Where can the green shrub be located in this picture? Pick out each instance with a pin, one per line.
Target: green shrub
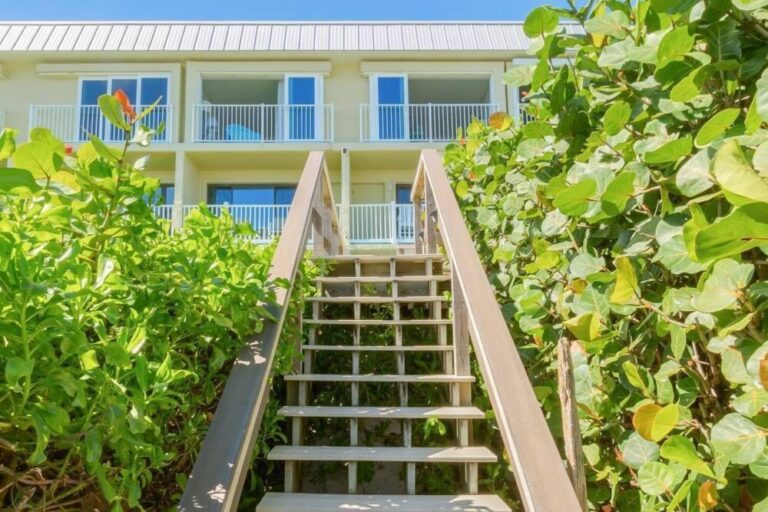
(115, 336)
(631, 216)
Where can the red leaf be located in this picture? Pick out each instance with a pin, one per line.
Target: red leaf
(125, 103)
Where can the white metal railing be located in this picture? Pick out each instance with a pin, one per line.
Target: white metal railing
(74, 123)
(426, 122)
(388, 223)
(262, 123)
(265, 220)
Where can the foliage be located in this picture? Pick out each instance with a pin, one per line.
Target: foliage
(115, 336)
(631, 216)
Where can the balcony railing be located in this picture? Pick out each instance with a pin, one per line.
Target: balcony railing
(388, 223)
(74, 123)
(429, 122)
(262, 123)
(381, 224)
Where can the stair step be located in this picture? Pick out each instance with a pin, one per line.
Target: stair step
(380, 258)
(284, 502)
(333, 377)
(371, 321)
(448, 413)
(382, 279)
(379, 348)
(467, 454)
(371, 299)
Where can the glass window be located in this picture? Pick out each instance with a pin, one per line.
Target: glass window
(391, 90)
(301, 90)
(250, 194)
(164, 194)
(130, 86)
(90, 90)
(90, 120)
(403, 194)
(301, 110)
(153, 89)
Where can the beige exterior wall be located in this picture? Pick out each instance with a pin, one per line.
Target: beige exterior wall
(375, 167)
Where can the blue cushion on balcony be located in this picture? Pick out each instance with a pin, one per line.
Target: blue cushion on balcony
(236, 131)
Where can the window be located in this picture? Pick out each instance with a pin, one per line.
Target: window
(389, 117)
(302, 93)
(404, 211)
(142, 91)
(251, 194)
(403, 194)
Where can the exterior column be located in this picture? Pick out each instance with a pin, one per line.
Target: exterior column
(185, 182)
(346, 194)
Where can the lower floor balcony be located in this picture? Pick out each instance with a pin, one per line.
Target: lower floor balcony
(365, 224)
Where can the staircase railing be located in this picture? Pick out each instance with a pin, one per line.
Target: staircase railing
(539, 470)
(219, 472)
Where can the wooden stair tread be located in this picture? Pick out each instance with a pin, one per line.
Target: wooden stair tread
(382, 412)
(289, 502)
(364, 258)
(372, 299)
(334, 377)
(366, 321)
(468, 454)
(382, 279)
(379, 348)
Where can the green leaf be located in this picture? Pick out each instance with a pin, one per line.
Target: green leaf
(675, 45)
(7, 143)
(761, 96)
(519, 76)
(626, 290)
(541, 20)
(733, 367)
(740, 183)
(751, 402)
(617, 193)
(616, 117)
(462, 189)
(37, 158)
(15, 181)
(678, 340)
(614, 24)
(113, 112)
(738, 438)
(722, 287)
(743, 229)
(584, 265)
(753, 121)
(574, 201)
(664, 421)
(694, 177)
(671, 151)
(636, 451)
(16, 369)
(686, 89)
(656, 478)
(681, 449)
(45, 137)
(749, 5)
(585, 327)
(716, 126)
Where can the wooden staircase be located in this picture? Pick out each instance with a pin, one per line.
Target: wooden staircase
(389, 311)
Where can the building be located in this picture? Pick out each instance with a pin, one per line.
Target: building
(243, 103)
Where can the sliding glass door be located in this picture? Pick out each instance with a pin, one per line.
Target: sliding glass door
(303, 116)
(390, 111)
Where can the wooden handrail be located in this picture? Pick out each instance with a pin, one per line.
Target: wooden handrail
(219, 472)
(539, 470)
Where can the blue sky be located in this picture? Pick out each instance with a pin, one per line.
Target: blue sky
(107, 10)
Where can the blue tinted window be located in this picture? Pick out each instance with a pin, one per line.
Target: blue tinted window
(301, 91)
(90, 90)
(128, 85)
(391, 90)
(152, 89)
(403, 194)
(250, 195)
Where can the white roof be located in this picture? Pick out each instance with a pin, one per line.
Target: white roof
(277, 36)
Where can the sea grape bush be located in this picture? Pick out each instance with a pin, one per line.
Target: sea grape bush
(630, 215)
(115, 336)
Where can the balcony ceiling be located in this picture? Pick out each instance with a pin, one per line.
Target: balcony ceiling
(277, 37)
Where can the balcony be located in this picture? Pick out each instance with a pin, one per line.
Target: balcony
(370, 224)
(430, 122)
(74, 123)
(262, 123)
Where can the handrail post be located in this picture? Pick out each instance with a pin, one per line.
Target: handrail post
(540, 474)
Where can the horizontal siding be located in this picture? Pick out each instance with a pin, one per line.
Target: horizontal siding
(300, 37)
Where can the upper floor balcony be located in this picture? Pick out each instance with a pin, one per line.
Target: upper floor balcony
(424, 108)
(75, 123)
